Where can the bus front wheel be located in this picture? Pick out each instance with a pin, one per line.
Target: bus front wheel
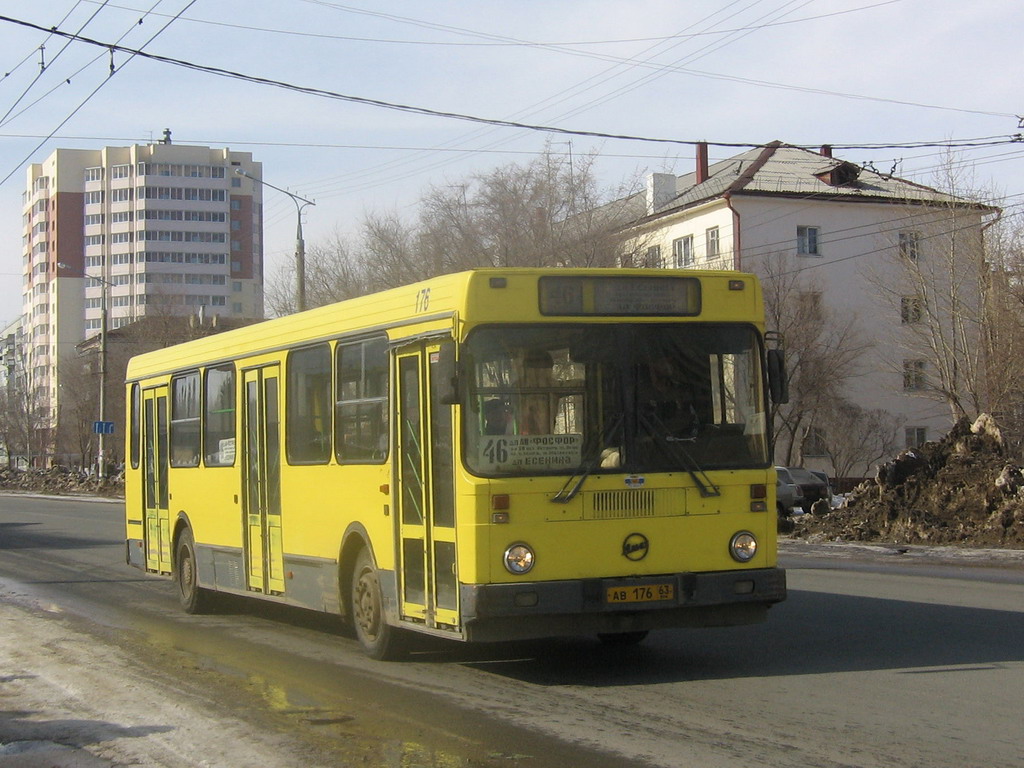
(379, 640)
(194, 599)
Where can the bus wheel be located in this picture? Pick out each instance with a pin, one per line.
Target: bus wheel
(194, 599)
(379, 640)
(622, 638)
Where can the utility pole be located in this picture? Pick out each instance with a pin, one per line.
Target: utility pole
(300, 245)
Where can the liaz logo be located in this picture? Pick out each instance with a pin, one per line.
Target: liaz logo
(635, 546)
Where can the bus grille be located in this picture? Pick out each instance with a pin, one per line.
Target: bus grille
(621, 505)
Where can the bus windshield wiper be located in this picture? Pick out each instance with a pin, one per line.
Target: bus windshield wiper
(705, 484)
(575, 482)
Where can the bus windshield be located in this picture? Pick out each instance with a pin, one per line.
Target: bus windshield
(627, 398)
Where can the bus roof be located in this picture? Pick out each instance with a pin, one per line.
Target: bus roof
(430, 305)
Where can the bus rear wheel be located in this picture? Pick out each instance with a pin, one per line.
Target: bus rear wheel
(379, 640)
(194, 599)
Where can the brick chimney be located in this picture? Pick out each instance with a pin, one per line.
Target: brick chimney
(702, 162)
(826, 150)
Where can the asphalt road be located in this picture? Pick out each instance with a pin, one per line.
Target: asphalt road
(878, 658)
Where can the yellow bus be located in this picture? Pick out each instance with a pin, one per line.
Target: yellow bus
(491, 455)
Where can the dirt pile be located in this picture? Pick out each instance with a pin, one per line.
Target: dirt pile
(961, 490)
(57, 480)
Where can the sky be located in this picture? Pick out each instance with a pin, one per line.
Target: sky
(862, 75)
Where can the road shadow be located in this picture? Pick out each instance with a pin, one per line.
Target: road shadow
(27, 738)
(811, 633)
(38, 536)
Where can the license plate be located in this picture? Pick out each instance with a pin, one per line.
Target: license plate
(640, 593)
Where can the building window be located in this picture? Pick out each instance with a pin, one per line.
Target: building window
(913, 375)
(711, 242)
(93, 198)
(915, 437)
(120, 171)
(910, 245)
(652, 257)
(94, 174)
(122, 195)
(236, 182)
(911, 309)
(814, 443)
(812, 304)
(682, 251)
(807, 241)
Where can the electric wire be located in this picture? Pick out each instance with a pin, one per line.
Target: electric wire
(113, 71)
(500, 41)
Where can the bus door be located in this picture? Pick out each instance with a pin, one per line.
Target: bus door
(261, 480)
(155, 462)
(428, 577)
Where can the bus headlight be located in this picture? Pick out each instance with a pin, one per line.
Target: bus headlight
(518, 559)
(743, 547)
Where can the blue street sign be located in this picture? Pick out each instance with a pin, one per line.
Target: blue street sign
(103, 427)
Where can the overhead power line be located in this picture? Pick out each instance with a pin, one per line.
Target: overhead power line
(113, 71)
(491, 41)
(429, 112)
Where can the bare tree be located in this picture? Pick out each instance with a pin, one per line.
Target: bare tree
(547, 212)
(823, 351)
(857, 438)
(1003, 308)
(938, 277)
(25, 424)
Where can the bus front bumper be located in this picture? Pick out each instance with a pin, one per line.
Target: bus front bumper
(588, 606)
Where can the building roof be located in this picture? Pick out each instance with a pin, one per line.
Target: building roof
(779, 169)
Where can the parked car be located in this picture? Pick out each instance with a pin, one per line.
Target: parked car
(828, 483)
(812, 487)
(787, 493)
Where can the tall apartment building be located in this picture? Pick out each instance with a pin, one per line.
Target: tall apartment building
(146, 230)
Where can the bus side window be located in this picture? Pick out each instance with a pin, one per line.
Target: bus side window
(219, 417)
(308, 414)
(185, 420)
(135, 425)
(361, 402)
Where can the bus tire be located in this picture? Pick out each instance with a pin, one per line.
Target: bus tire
(622, 638)
(379, 640)
(194, 599)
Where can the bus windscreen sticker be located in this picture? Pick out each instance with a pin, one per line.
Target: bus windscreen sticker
(516, 453)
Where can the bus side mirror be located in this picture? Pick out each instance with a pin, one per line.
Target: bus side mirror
(445, 373)
(778, 383)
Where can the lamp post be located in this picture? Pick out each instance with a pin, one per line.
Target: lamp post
(300, 245)
(101, 470)
(100, 453)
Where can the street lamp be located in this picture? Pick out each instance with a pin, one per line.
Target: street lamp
(300, 245)
(101, 470)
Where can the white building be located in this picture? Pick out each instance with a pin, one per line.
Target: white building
(869, 247)
(143, 230)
